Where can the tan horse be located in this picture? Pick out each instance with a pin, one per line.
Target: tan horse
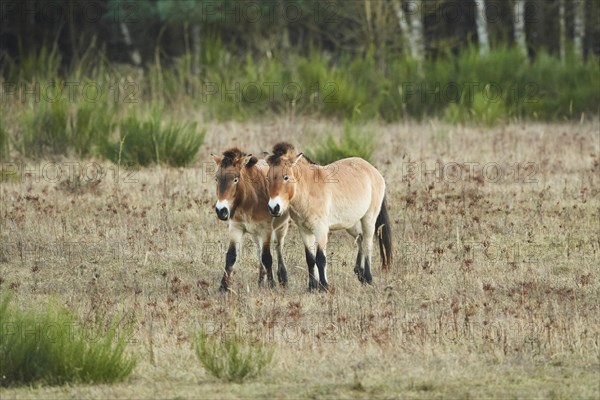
(242, 195)
(348, 194)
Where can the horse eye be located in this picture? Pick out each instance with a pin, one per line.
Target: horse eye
(286, 178)
(236, 179)
(216, 179)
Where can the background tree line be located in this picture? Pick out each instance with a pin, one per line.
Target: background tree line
(139, 31)
(96, 77)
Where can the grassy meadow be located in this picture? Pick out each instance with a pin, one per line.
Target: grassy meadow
(494, 290)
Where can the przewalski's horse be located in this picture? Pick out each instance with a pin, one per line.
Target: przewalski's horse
(348, 194)
(242, 196)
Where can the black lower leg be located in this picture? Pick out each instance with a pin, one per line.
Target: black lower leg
(281, 271)
(367, 273)
(310, 262)
(229, 262)
(358, 269)
(267, 261)
(321, 265)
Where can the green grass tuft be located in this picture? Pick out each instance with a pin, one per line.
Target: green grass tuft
(232, 359)
(355, 142)
(51, 348)
(92, 127)
(45, 129)
(148, 142)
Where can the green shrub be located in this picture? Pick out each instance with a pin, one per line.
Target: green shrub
(51, 348)
(355, 142)
(483, 109)
(147, 142)
(232, 359)
(45, 129)
(178, 144)
(92, 128)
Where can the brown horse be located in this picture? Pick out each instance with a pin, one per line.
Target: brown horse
(242, 195)
(348, 194)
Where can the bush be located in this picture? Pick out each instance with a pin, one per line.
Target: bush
(92, 129)
(147, 142)
(52, 348)
(355, 142)
(481, 110)
(232, 360)
(45, 129)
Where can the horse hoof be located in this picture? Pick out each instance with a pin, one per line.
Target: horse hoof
(360, 275)
(282, 277)
(223, 289)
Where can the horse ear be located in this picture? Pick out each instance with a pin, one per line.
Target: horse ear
(217, 159)
(249, 161)
(298, 157)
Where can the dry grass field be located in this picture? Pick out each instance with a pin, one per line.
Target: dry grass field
(494, 290)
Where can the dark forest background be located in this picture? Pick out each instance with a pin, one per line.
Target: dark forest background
(174, 27)
(87, 71)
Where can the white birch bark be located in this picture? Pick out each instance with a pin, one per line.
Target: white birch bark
(563, 29)
(404, 28)
(134, 53)
(519, 21)
(416, 28)
(579, 28)
(482, 28)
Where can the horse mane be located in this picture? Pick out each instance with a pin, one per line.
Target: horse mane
(284, 149)
(230, 156)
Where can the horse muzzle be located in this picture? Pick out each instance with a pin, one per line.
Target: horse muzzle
(222, 213)
(275, 211)
(222, 208)
(274, 207)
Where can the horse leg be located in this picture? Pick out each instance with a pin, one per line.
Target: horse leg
(355, 232)
(279, 238)
(321, 260)
(261, 268)
(267, 262)
(310, 261)
(235, 239)
(368, 226)
(358, 267)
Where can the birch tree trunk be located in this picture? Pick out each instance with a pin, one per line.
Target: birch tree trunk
(416, 28)
(404, 28)
(579, 28)
(367, 4)
(482, 28)
(134, 53)
(519, 20)
(563, 29)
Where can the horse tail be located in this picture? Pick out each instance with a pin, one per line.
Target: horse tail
(384, 236)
